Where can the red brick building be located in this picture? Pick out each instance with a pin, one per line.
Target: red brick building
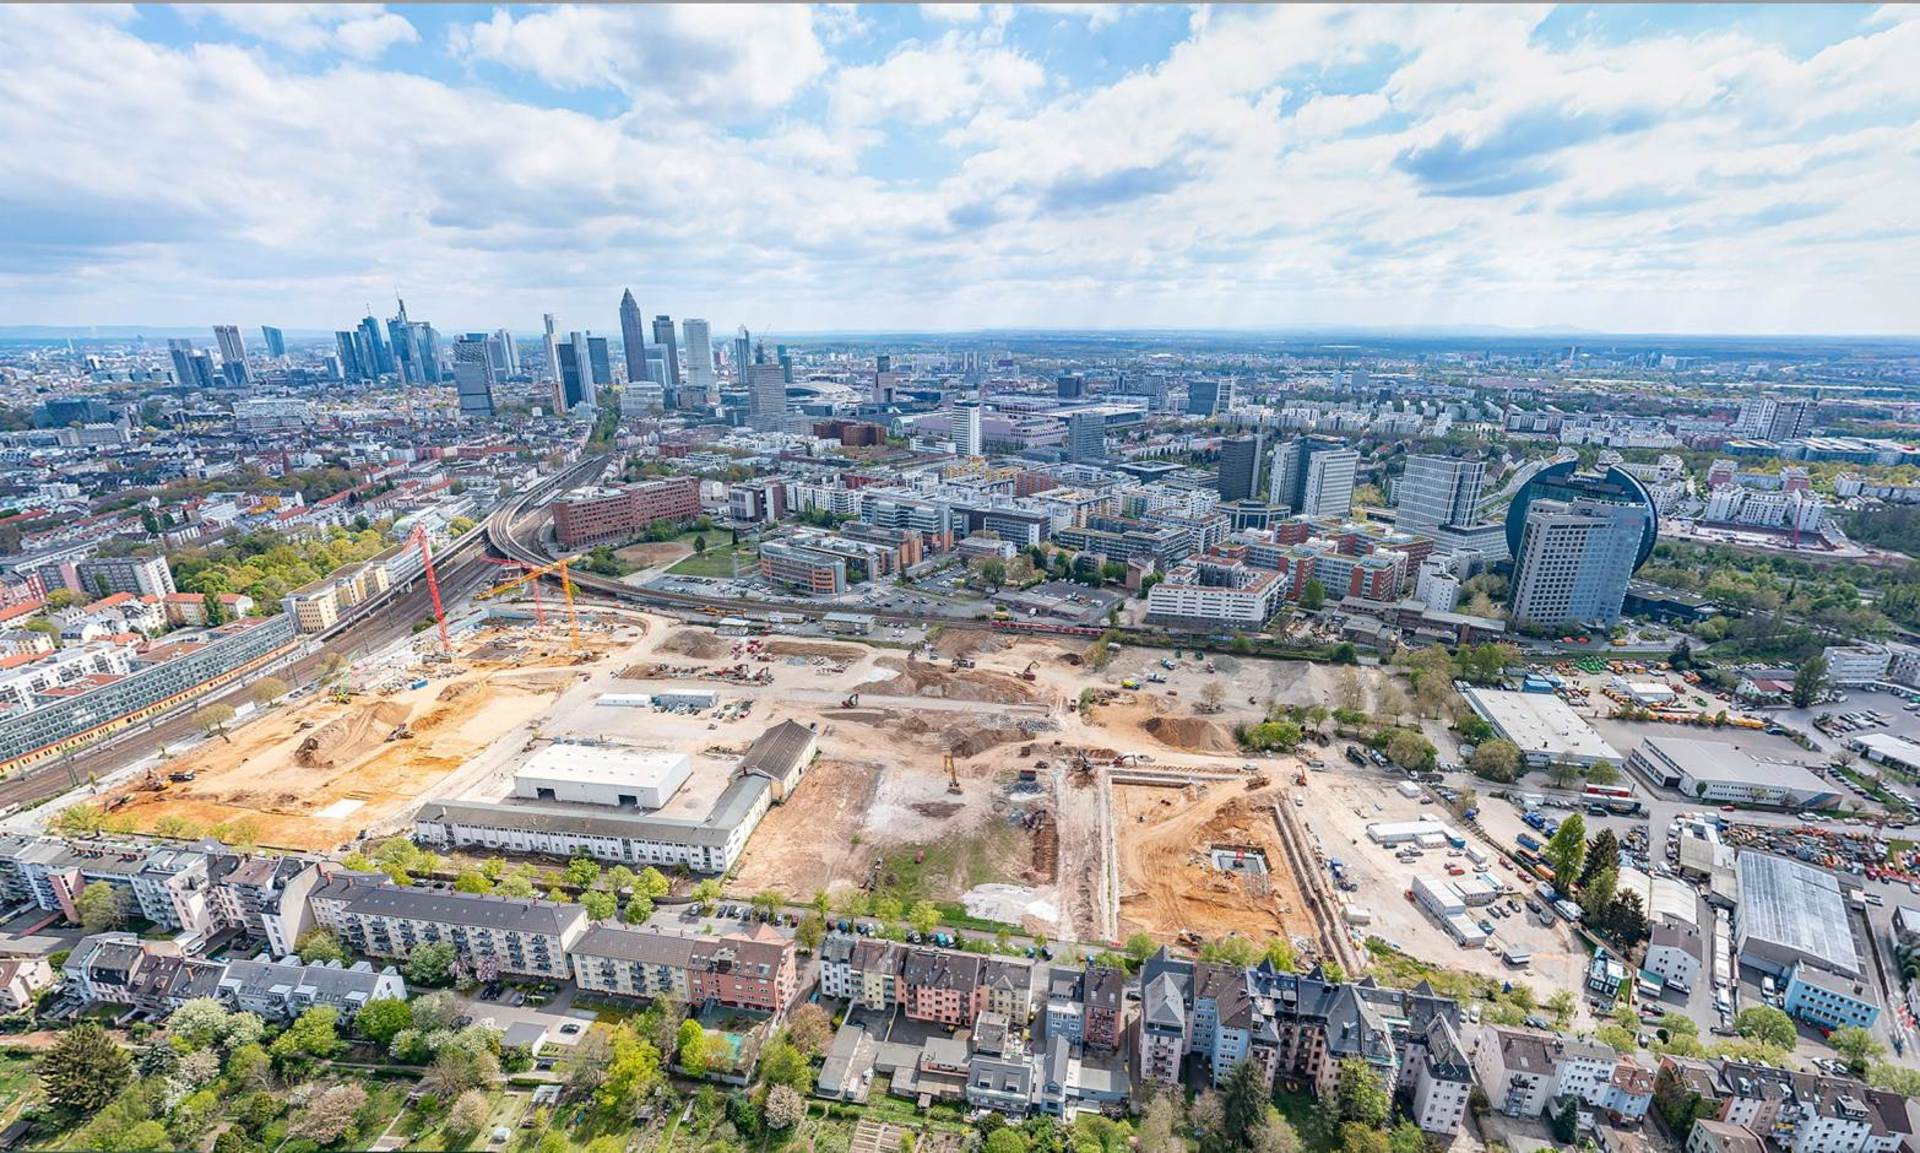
(602, 516)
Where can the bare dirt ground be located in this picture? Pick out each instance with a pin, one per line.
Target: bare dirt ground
(923, 679)
(311, 776)
(654, 554)
(1168, 886)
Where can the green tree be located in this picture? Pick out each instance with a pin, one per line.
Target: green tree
(1410, 750)
(200, 1023)
(924, 917)
(1243, 1101)
(1406, 1137)
(1809, 682)
(1766, 1024)
(633, 1071)
(1007, 1140)
(213, 609)
(431, 964)
(1603, 853)
(267, 690)
(516, 884)
(690, 1048)
(1359, 1095)
(1858, 1046)
(84, 1070)
(811, 931)
(1313, 595)
(472, 881)
(1497, 761)
(1567, 851)
(101, 906)
(313, 1036)
(638, 910)
(379, 1019)
(582, 872)
(600, 906)
(213, 720)
(707, 894)
(653, 883)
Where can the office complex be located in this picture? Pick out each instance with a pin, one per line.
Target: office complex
(276, 340)
(1574, 560)
(233, 355)
(669, 347)
(1239, 467)
(1313, 476)
(191, 367)
(1437, 491)
(766, 396)
(1086, 437)
(473, 374)
(598, 516)
(699, 342)
(1209, 398)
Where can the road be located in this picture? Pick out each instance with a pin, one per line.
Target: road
(381, 627)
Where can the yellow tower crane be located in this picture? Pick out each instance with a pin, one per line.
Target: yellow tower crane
(566, 589)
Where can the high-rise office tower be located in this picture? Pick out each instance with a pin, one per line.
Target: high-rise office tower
(1791, 420)
(553, 350)
(742, 354)
(416, 353)
(968, 439)
(349, 347)
(1209, 398)
(699, 340)
(506, 357)
(233, 355)
(1313, 476)
(1756, 416)
(377, 359)
(600, 359)
(669, 351)
(473, 376)
(1070, 386)
(766, 397)
(583, 393)
(633, 336)
(1574, 561)
(276, 340)
(1086, 437)
(191, 367)
(1437, 491)
(785, 360)
(1239, 467)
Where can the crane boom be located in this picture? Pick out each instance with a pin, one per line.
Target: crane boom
(532, 576)
(433, 586)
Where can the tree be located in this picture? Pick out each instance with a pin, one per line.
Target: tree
(469, 1114)
(1768, 1025)
(1358, 1138)
(994, 574)
(1858, 1046)
(200, 1023)
(924, 917)
(1006, 1140)
(1410, 750)
(267, 690)
(633, 1071)
(652, 883)
(691, 1047)
(213, 719)
(1602, 773)
(1567, 851)
(330, 1115)
(316, 946)
(1624, 920)
(1565, 1121)
(101, 906)
(1273, 1135)
(600, 906)
(1809, 682)
(472, 881)
(707, 894)
(785, 1107)
(1602, 854)
(1313, 595)
(638, 911)
(1158, 1124)
(1359, 1094)
(1406, 1137)
(431, 964)
(811, 930)
(458, 1068)
(582, 872)
(1497, 761)
(1243, 1102)
(809, 1029)
(85, 1069)
(313, 1036)
(516, 884)
(699, 544)
(1212, 696)
(1561, 774)
(1681, 658)
(1599, 891)
(379, 1019)
(213, 609)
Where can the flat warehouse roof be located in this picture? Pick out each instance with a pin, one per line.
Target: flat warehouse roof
(1796, 906)
(1891, 748)
(1720, 761)
(592, 764)
(1540, 723)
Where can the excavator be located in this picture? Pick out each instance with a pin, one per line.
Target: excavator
(1027, 674)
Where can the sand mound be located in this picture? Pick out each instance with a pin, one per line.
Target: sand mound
(968, 642)
(833, 652)
(1191, 733)
(919, 679)
(346, 737)
(697, 643)
(456, 690)
(972, 741)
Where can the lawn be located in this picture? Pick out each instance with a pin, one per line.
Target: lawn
(18, 1085)
(717, 561)
(942, 870)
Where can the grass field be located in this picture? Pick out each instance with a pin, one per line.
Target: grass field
(717, 561)
(18, 1085)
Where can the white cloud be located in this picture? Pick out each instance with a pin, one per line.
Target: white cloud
(363, 32)
(933, 84)
(717, 60)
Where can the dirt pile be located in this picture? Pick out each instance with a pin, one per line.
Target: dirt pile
(696, 643)
(1169, 888)
(954, 642)
(347, 737)
(919, 679)
(456, 690)
(971, 741)
(833, 652)
(1193, 734)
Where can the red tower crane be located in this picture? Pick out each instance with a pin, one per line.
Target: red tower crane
(419, 538)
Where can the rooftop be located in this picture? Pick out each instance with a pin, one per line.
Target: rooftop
(597, 764)
(1795, 906)
(1541, 723)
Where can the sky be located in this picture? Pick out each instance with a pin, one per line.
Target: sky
(1710, 169)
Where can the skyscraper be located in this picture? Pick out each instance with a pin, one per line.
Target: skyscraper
(968, 439)
(553, 350)
(633, 336)
(276, 340)
(379, 358)
(350, 365)
(1086, 437)
(766, 397)
(473, 376)
(1437, 491)
(600, 360)
(233, 355)
(506, 357)
(1209, 398)
(191, 367)
(1574, 560)
(669, 352)
(1239, 467)
(1792, 419)
(699, 341)
(742, 354)
(1313, 476)
(582, 392)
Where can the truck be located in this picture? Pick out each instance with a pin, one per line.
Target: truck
(1531, 800)
(1526, 841)
(1456, 841)
(1129, 683)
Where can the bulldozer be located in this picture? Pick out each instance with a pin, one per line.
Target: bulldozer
(401, 732)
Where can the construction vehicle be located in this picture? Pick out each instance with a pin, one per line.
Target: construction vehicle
(1300, 778)
(1027, 674)
(401, 732)
(852, 701)
(340, 696)
(181, 777)
(953, 775)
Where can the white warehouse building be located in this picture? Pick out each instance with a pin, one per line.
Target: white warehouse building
(597, 775)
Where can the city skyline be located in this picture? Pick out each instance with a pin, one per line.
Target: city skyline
(1701, 171)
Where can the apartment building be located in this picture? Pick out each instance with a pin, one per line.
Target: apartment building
(937, 985)
(756, 972)
(21, 979)
(492, 935)
(1209, 594)
(141, 576)
(1009, 989)
(122, 969)
(282, 990)
(1523, 1071)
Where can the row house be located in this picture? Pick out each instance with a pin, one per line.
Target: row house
(155, 976)
(492, 935)
(1799, 1112)
(946, 987)
(758, 972)
(282, 990)
(1085, 1006)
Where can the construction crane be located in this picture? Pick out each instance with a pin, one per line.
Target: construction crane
(539, 612)
(566, 590)
(419, 537)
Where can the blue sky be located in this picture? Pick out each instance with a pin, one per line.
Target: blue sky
(1705, 169)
